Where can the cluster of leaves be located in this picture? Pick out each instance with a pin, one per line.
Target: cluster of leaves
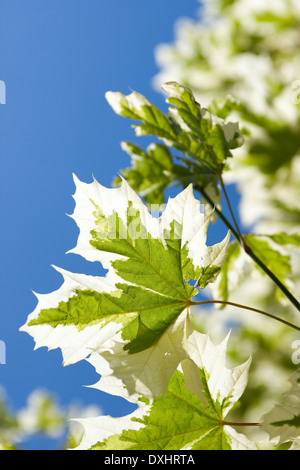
(134, 324)
(273, 250)
(204, 141)
(249, 51)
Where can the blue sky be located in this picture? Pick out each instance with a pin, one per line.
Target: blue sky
(58, 58)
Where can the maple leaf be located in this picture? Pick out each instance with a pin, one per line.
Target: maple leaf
(189, 415)
(136, 313)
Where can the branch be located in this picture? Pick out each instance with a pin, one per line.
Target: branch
(245, 307)
(236, 233)
(240, 236)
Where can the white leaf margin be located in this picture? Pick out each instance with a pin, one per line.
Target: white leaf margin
(77, 344)
(221, 381)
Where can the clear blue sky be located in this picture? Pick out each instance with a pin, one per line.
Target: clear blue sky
(58, 58)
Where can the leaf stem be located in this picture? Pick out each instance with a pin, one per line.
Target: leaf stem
(232, 423)
(240, 236)
(272, 276)
(202, 191)
(245, 307)
(236, 233)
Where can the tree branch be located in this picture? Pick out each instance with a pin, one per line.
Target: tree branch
(236, 233)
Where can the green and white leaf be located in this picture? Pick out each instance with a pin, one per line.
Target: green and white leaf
(147, 372)
(189, 415)
(205, 141)
(153, 170)
(135, 315)
(283, 421)
(221, 136)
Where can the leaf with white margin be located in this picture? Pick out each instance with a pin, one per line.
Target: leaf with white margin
(151, 263)
(189, 415)
(147, 372)
(75, 343)
(188, 127)
(205, 142)
(283, 421)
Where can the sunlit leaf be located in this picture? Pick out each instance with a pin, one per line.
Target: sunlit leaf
(204, 141)
(136, 313)
(189, 415)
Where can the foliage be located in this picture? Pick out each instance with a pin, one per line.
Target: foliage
(139, 309)
(204, 141)
(144, 325)
(242, 59)
(41, 416)
(190, 413)
(134, 324)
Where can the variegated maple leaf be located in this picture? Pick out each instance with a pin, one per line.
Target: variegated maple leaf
(189, 415)
(136, 315)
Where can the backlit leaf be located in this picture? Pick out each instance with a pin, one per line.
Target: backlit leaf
(189, 415)
(135, 315)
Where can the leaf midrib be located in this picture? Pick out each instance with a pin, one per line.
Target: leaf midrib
(104, 317)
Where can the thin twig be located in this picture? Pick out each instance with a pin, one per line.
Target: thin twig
(240, 236)
(248, 250)
(233, 423)
(245, 307)
(202, 191)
